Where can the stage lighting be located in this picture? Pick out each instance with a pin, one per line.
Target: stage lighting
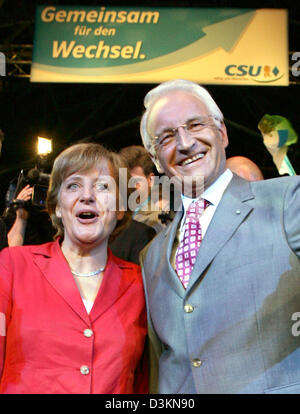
(44, 146)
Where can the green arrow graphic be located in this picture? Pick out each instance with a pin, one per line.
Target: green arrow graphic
(224, 34)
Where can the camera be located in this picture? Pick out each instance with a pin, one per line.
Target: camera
(39, 181)
(39, 195)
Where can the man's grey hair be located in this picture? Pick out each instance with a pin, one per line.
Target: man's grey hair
(163, 89)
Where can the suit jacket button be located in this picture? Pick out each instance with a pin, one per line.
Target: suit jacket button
(88, 333)
(196, 362)
(188, 308)
(84, 369)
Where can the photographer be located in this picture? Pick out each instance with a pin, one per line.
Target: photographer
(26, 218)
(17, 232)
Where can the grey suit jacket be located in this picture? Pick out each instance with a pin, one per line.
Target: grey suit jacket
(230, 331)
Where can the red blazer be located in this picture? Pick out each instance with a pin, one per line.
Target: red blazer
(52, 345)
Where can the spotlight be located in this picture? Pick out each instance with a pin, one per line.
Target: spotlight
(44, 146)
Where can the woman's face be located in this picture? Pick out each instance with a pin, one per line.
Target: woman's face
(87, 204)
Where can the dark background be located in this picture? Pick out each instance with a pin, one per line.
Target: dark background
(110, 113)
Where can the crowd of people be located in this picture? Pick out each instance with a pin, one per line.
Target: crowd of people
(122, 301)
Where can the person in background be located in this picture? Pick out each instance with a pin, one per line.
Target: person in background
(14, 222)
(138, 233)
(16, 233)
(244, 168)
(142, 169)
(222, 282)
(75, 314)
(26, 222)
(131, 240)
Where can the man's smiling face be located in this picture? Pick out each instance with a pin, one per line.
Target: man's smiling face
(198, 154)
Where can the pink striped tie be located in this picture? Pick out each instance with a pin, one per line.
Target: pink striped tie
(189, 246)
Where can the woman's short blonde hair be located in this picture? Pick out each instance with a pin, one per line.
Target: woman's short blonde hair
(83, 157)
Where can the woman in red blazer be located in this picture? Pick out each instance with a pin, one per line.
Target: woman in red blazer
(72, 315)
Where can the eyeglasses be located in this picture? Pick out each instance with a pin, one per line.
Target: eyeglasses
(168, 137)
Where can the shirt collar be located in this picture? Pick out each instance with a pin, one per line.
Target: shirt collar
(213, 193)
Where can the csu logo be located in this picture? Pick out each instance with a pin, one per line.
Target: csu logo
(266, 73)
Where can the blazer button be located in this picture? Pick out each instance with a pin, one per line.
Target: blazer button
(88, 333)
(84, 369)
(188, 308)
(196, 363)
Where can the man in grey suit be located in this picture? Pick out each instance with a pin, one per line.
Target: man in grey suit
(231, 326)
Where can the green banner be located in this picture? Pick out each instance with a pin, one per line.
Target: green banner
(107, 44)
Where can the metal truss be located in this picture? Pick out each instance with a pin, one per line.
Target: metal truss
(18, 59)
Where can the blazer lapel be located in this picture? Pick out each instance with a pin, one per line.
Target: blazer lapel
(54, 267)
(114, 285)
(166, 254)
(229, 214)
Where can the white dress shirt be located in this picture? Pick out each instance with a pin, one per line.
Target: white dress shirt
(213, 194)
(88, 304)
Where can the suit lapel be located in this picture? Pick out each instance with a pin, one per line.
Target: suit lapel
(228, 216)
(166, 254)
(113, 286)
(55, 269)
